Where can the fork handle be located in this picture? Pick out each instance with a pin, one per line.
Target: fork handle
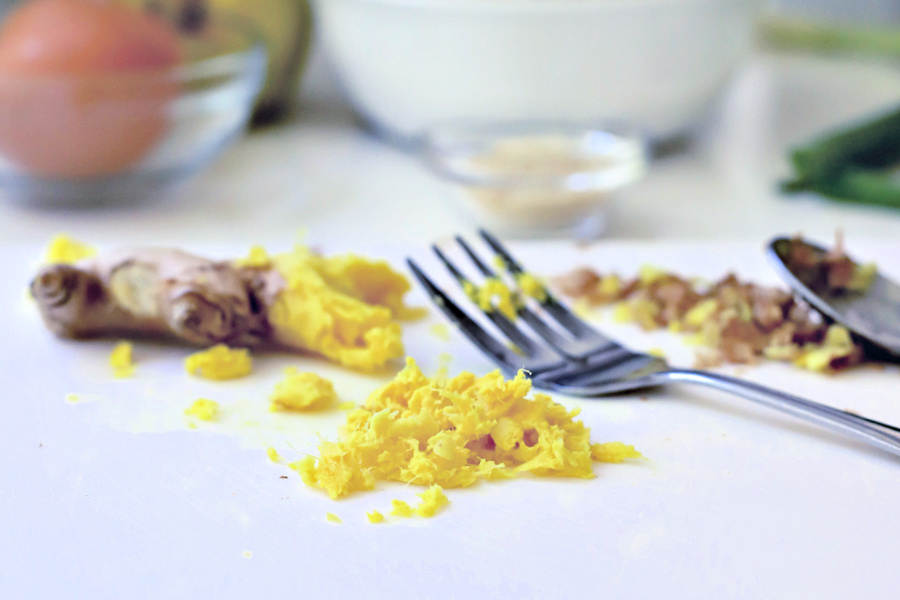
(832, 418)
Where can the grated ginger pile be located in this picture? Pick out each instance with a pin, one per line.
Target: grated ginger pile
(453, 432)
(343, 307)
(730, 320)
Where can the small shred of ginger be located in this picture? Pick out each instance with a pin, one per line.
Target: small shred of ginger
(256, 257)
(613, 452)
(273, 455)
(399, 508)
(701, 312)
(441, 331)
(204, 409)
(609, 286)
(531, 286)
(333, 518)
(644, 312)
(650, 273)
(375, 517)
(65, 250)
(219, 362)
(302, 391)
(433, 499)
(121, 359)
(820, 357)
(450, 433)
(493, 294)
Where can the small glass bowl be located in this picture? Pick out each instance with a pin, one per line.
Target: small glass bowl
(148, 129)
(535, 179)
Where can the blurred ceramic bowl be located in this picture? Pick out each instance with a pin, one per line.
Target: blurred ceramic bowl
(656, 64)
(125, 135)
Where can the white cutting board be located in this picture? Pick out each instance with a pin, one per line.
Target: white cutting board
(114, 496)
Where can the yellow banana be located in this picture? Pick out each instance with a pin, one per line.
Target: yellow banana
(285, 26)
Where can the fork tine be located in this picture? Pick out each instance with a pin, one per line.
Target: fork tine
(482, 266)
(499, 352)
(526, 344)
(561, 344)
(563, 315)
(472, 330)
(457, 274)
(511, 264)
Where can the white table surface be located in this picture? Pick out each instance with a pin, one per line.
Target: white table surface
(735, 502)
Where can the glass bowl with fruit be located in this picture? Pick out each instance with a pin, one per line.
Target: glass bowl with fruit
(109, 101)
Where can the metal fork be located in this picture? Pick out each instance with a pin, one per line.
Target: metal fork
(563, 353)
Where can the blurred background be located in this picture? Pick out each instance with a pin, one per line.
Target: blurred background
(265, 106)
(783, 24)
(866, 11)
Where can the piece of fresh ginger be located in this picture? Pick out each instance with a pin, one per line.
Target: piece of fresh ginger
(292, 301)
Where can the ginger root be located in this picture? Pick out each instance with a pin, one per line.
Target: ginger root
(157, 293)
(298, 300)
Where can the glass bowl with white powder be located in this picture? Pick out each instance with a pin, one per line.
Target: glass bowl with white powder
(535, 179)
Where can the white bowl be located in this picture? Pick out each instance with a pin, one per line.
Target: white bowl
(655, 64)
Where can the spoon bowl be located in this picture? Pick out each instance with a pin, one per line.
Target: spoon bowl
(871, 313)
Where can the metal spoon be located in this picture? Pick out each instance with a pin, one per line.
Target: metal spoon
(872, 314)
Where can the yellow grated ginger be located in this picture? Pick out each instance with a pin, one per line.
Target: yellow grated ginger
(273, 455)
(375, 517)
(333, 518)
(650, 273)
(399, 508)
(731, 321)
(531, 286)
(609, 286)
(219, 362)
(204, 409)
(121, 359)
(493, 294)
(820, 357)
(300, 391)
(451, 433)
(342, 307)
(433, 499)
(613, 452)
(65, 250)
(256, 257)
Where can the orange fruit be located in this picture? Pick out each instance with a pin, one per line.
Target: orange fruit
(84, 86)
